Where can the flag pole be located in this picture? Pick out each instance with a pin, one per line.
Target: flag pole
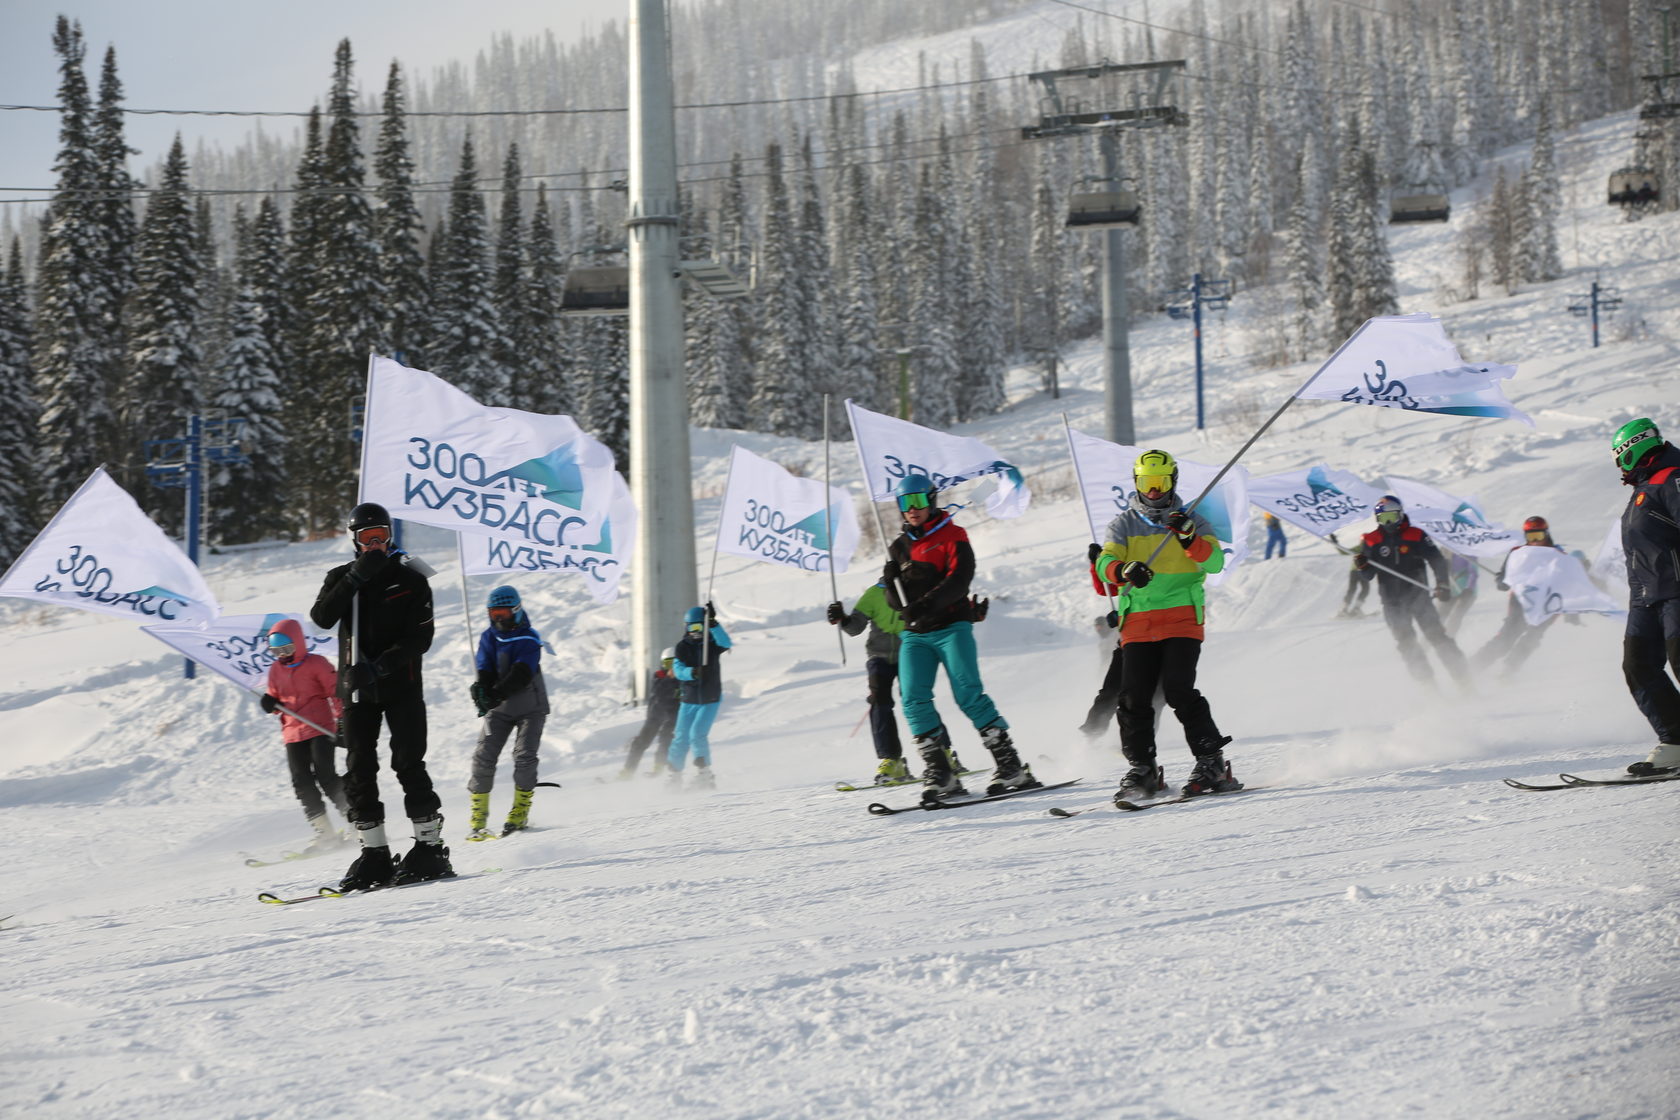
(1079, 479)
(706, 624)
(874, 507)
(828, 525)
(466, 606)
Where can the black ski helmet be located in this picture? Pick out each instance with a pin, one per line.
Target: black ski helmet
(366, 516)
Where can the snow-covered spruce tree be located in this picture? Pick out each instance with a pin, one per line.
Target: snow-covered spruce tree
(820, 316)
(164, 356)
(508, 283)
(933, 366)
(76, 382)
(1304, 265)
(1043, 328)
(249, 500)
(718, 378)
(982, 361)
(1501, 229)
(307, 412)
(265, 271)
(1375, 292)
(1538, 255)
(544, 370)
(115, 205)
(781, 391)
(217, 287)
(402, 266)
(862, 367)
(18, 521)
(469, 328)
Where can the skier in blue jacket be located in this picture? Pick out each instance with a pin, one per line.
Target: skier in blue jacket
(700, 689)
(510, 695)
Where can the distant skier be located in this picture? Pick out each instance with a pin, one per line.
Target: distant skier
(929, 568)
(511, 696)
(1161, 627)
(1358, 587)
(1651, 540)
(1516, 639)
(660, 725)
(305, 683)
(1406, 556)
(880, 668)
(383, 610)
(1275, 538)
(700, 689)
(1462, 574)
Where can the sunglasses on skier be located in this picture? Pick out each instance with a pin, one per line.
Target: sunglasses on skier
(912, 501)
(373, 535)
(1148, 482)
(696, 627)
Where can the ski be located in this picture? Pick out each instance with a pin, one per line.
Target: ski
(1573, 780)
(1140, 806)
(275, 900)
(1514, 784)
(880, 810)
(333, 892)
(288, 857)
(848, 787)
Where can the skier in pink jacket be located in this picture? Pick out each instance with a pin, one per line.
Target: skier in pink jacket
(306, 683)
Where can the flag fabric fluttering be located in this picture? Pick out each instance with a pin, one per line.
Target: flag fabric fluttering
(101, 552)
(781, 518)
(1407, 362)
(1320, 499)
(1105, 476)
(432, 454)
(890, 448)
(1456, 524)
(236, 645)
(1548, 582)
(603, 562)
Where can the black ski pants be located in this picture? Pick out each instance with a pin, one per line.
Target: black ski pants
(883, 724)
(314, 774)
(405, 716)
(1170, 665)
(1651, 643)
(660, 726)
(1413, 606)
(1515, 640)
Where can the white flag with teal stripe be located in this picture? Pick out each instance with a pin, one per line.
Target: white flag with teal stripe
(780, 518)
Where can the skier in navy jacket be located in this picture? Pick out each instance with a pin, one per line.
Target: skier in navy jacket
(1651, 539)
(511, 695)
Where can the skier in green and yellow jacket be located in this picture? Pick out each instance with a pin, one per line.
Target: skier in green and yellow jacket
(1161, 616)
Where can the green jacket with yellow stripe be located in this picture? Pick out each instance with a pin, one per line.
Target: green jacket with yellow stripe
(1172, 605)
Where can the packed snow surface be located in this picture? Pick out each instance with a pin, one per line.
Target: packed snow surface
(1379, 927)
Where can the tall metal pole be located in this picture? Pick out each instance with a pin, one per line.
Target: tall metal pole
(195, 495)
(1196, 306)
(1117, 358)
(665, 580)
(1595, 314)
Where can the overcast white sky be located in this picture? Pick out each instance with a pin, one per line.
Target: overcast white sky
(236, 54)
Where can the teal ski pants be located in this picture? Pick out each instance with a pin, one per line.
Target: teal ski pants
(919, 659)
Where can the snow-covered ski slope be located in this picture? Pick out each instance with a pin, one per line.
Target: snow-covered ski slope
(1381, 929)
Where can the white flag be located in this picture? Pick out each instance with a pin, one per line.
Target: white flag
(1319, 499)
(1454, 523)
(1407, 362)
(1609, 569)
(432, 454)
(236, 645)
(1105, 477)
(890, 448)
(1548, 582)
(780, 518)
(101, 552)
(604, 562)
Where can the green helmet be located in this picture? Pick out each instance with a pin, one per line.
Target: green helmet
(1633, 441)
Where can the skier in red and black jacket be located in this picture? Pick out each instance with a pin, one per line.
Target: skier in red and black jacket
(1651, 539)
(1400, 556)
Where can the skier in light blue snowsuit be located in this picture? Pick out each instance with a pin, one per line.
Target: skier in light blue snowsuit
(700, 688)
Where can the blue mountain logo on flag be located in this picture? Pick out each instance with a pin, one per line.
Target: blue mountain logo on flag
(816, 527)
(1320, 485)
(1467, 514)
(604, 545)
(556, 476)
(163, 593)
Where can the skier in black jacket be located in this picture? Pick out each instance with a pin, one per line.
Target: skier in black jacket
(1406, 555)
(382, 607)
(661, 722)
(1651, 539)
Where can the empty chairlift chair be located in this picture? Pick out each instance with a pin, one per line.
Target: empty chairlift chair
(596, 291)
(1103, 210)
(1406, 208)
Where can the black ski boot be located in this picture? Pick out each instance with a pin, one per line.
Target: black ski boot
(939, 780)
(1211, 775)
(372, 870)
(428, 859)
(1011, 772)
(1144, 780)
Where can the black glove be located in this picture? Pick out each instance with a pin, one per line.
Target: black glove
(978, 608)
(1113, 619)
(1361, 562)
(711, 615)
(1182, 525)
(910, 612)
(360, 675)
(483, 699)
(1137, 573)
(1501, 585)
(368, 565)
(1093, 552)
(1442, 593)
(836, 613)
(269, 703)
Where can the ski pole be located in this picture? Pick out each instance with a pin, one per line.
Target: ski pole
(1079, 479)
(828, 526)
(304, 719)
(1335, 544)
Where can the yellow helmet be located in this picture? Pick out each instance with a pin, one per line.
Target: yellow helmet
(1155, 470)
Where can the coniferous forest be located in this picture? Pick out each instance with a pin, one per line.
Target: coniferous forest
(436, 218)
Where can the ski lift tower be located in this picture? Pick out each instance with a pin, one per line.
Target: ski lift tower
(1107, 98)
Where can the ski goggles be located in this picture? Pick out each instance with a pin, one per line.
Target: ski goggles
(372, 535)
(913, 501)
(1535, 536)
(1148, 482)
(501, 614)
(1389, 517)
(696, 627)
(280, 647)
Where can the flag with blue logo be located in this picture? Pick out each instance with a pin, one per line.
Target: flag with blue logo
(1320, 499)
(602, 563)
(1455, 523)
(775, 516)
(236, 645)
(890, 448)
